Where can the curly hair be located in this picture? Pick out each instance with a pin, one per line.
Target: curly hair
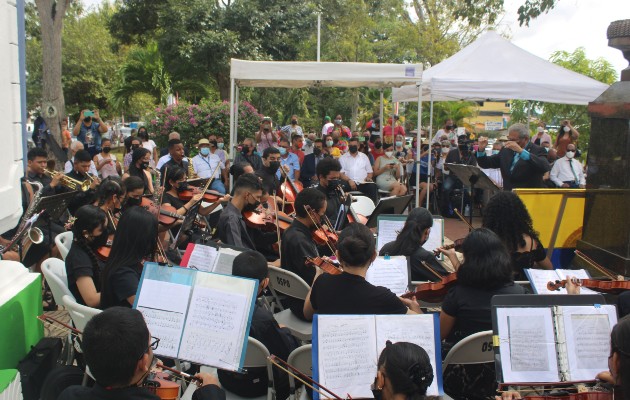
(506, 215)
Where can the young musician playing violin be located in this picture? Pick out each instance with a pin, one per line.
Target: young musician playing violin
(139, 167)
(297, 242)
(82, 267)
(349, 292)
(409, 243)
(135, 241)
(134, 189)
(118, 349)
(110, 195)
(329, 177)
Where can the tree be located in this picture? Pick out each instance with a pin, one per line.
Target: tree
(532, 9)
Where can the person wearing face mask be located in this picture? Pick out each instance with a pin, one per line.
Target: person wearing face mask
(206, 163)
(134, 143)
(357, 171)
(118, 349)
(69, 165)
(134, 190)
(308, 171)
(327, 124)
(389, 134)
(377, 151)
(82, 267)
(217, 146)
(247, 155)
(293, 128)
(231, 228)
(105, 162)
(541, 135)
(109, 197)
(148, 144)
(448, 130)
(329, 181)
(567, 134)
(387, 170)
(403, 372)
(88, 130)
(266, 137)
(522, 163)
(409, 243)
(309, 143)
(330, 148)
(140, 167)
(297, 144)
(269, 173)
(288, 160)
(567, 172)
(339, 128)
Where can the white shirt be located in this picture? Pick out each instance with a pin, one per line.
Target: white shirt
(355, 167)
(69, 166)
(163, 160)
(563, 170)
(205, 166)
(325, 128)
(452, 135)
(150, 145)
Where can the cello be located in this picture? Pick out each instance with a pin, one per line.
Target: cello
(289, 190)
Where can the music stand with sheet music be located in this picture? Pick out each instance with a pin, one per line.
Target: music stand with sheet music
(476, 178)
(388, 205)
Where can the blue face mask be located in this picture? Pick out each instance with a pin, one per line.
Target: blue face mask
(204, 151)
(398, 144)
(495, 151)
(220, 145)
(283, 151)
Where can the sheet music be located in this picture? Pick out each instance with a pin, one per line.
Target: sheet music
(392, 274)
(417, 329)
(539, 279)
(578, 273)
(527, 345)
(203, 258)
(225, 260)
(388, 230)
(587, 330)
(215, 327)
(163, 305)
(436, 236)
(347, 354)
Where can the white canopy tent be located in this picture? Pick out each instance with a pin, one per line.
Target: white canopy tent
(295, 74)
(494, 68)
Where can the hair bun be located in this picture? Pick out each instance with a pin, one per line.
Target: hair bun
(421, 376)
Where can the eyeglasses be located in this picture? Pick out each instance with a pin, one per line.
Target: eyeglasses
(153, 345)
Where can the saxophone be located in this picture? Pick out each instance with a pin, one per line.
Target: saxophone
(33, 235)
(191, 170)
(156, 185)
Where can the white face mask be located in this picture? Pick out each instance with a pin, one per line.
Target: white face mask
(570, 154)
(540, 129)
(389, 153)
(445, 150)
(566, 129)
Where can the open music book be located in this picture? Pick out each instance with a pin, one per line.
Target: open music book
(198, 316)
(390, 225)
(540, 277)
(390, 272)
(553, 343)
(346, 349)
(211, 257)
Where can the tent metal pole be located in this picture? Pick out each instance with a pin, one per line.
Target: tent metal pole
(380, 126)
(232, 136)
(319, 29)
(430, 135)
(236, 104)
(418, 145)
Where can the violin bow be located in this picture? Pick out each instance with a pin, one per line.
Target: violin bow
(456, 211)
(302, 377)
(428, 267)
(180, 374)
(319, 227)
(595, 265)
(47, 319)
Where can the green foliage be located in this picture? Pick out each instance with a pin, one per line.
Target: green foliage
(195, 121)
(532, 9)
(442, 110)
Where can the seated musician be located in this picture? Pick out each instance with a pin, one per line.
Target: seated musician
(485, 272)
(134, 189)
(279, 341)
(69, 165)
(118, 349)
(409, 243)
(109, 197)
(619, 360)
(268, 171)
(139, 167)
(176, 151)
(404, 372)
(80, 173)
(329, 176)
(297, 242)
(349, 292)
(82, 267)
(231, 228)
(207, 163)
(36, 165)
(506, 215)
(134, 242)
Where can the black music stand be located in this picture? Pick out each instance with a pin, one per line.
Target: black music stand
(55, 206)
(388, 205)
(185, 231)
(476, 178)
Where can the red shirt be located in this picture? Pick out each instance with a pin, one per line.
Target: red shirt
(299, 154)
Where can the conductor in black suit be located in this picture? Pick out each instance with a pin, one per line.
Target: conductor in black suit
(522, 163)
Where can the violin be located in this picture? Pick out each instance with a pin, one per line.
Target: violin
(167, 214)
(433, 292)
(210, 196)
(611, 287)
(264, 219)
(323, 234)
(457, 245)
(159, 384)
(289, 189)
(325, 264)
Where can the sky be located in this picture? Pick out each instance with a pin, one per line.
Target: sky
(571, 24)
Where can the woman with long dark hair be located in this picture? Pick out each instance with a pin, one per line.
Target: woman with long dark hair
(409, 243)
(619, 360)
(140, 167)
(109, 198)
(404, 372)
(83, 270)
(567, 134)
(135, 241)
(506, 215)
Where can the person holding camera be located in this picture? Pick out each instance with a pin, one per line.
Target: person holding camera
(449, 130)
(566, 135)
(266, 137)
(88, 130)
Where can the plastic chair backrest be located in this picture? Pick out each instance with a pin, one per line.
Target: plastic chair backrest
(80, 314)
(287, 283)
(474, 349)
(256, 355)
(301, 358)
(54, 271)
(63, 242)
(364, 206)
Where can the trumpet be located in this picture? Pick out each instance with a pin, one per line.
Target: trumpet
(71, 183)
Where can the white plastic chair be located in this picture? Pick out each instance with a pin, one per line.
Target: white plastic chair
(63, 242)
(474, 349)
(54, 271)
(301, 358)
(289, 284)
(364, 205)
(79, 314)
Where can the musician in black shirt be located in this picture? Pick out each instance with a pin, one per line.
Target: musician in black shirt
(80, 168)
(270, 165)
(37, 159)
(176, 151)
(297, 242)
(329, 176)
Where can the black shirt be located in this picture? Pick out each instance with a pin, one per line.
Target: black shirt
(45, 181)
(135, 171)
(121, 284)
(471, 308)
(78, 264)
(418, 271)
(278, 341)
(231, 228)
(171, 163)
(333, 203)
(352, 294)
(82, 197)
(253, 159)
(270, 181)
(97, 392)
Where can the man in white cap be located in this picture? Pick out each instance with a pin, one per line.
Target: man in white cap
(208, 165)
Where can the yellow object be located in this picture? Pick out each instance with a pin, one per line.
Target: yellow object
(495, 341)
